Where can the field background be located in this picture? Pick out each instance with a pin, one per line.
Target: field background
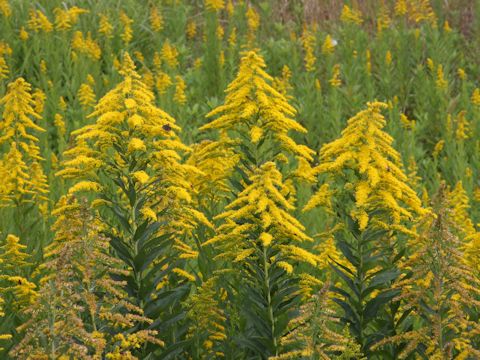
(329, 58)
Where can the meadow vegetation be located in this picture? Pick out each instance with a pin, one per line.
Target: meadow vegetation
(234, 179)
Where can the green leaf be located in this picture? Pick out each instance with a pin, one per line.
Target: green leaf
(347, 252)
(350, 315)
(375, 304)
(121, 248)
(340, 292)
(346, 279)
(121, 217)
(174, 350)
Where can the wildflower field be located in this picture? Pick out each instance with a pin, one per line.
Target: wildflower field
(239, 179)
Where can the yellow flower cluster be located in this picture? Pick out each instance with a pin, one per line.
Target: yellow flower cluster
(476, 97)
(66, 18)
(191, 30)
(86, 45)
(462, 131)
(328, 45)
(13, 256)
(86, 95)
(214, 5)
(313, 332)
(441, 83)
(459, 205)
(252, 102)
(127, 22)
(39, 21)
(308, 42)
(22, 174)
(125, 113)
(260, 209)
(407, 123)
(282, 83)
(4, 69)
(216, 161)
(350, 15)
(400, 7)
(156, 19)
(180, 87)
(170, 54)
(128, 343)
(162, 82)
(105, 27)
(129, 124)
(421, 11)
(13, 260)
(368, 57)
(5, 8)
(18, 111)
(380, 182)
(253, 22)
(335, 81)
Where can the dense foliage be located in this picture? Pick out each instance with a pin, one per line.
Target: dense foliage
(234, 179)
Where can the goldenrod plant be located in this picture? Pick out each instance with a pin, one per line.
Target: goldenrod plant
(129, 160)
(212, 43)
(315, 333)
(458, 203)
(259, 240)
(81, 311)
(208, 320)
(158, 162)
(17, 288)
(258, 115)
(372, 201)
(3, 337)
(216, 160)
(24, 189)
(442, 289)
(258, 236)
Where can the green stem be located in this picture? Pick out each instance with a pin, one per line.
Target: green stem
(137, 275)
(360, 279)
(269, 300)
